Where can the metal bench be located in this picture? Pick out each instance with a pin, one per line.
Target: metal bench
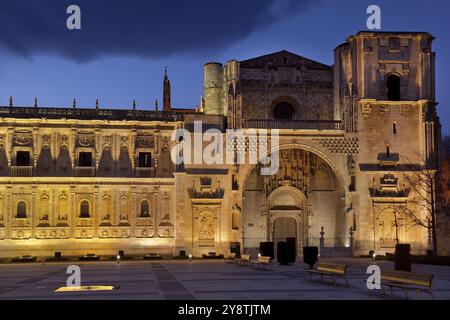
(333, 270)
(262, 261)
(244, 260)
(407, 281)
(231, 258)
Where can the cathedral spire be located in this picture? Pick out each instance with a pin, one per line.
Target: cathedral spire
(166, 92)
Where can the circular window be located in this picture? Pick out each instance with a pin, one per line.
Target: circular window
(284, 111)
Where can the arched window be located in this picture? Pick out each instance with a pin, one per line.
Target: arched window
(84, 209)
(21, 210)
(145, 209)
(393, 87)
(284, 111)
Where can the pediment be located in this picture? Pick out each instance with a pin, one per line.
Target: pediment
(283, 59)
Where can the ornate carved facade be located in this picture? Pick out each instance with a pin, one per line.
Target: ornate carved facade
(95, 180)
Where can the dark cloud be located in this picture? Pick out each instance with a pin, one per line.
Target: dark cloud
(150, 28)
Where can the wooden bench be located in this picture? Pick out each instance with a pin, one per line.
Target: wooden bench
(333, 270)
(262, 261)
(231, 258)
(212, 255)
(407, 281)
(244, 260)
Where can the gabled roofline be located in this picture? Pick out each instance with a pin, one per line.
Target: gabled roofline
(285, 51)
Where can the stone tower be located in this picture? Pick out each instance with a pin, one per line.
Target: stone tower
(219, 83)
(213, 88)
(384, 92)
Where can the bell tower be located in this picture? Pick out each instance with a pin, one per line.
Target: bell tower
(384, 89)
(166, 93)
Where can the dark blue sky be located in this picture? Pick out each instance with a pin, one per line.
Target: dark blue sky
(120, 53)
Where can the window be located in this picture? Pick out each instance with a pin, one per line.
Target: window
(393, 87)
(388, 151)
(84, 209)
(284, 111)
(85, 159)
(23, 159)
(145, 159)
(394, 44)
(145, 209)
(21, 210)
(394, 128)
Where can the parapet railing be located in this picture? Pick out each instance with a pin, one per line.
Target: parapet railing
(21, 171)
(88, 114)
(84, 171)
(293, 124)
(144, 172)
(79, 171)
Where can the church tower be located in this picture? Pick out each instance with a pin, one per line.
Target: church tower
(384, 93)
(166, 93)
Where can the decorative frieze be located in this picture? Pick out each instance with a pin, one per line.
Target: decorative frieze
(339, 145)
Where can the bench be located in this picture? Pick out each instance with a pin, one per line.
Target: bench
(407, 281)
(333, 270)
(89, 257)
(231, 258)
(24, 258)
(243, 260)
(152, 256)
(212, 255)
(262, 261)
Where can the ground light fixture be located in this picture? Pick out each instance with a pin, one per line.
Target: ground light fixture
(85, 288)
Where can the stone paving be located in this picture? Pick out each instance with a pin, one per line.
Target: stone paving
(199, 279)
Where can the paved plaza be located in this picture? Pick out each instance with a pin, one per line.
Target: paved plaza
(200, 279)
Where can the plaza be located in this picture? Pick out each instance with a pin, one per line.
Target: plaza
(202, 280)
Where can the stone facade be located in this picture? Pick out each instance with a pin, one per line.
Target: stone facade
(94, 180)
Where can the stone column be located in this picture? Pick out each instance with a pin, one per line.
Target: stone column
(33, 211)
(180, 213)
(351, 242)
(132, 150)
(98, 150)
(35, 149)
(73, 148)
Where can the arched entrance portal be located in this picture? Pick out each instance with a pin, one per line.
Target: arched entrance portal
(302, 197)
(287, 207)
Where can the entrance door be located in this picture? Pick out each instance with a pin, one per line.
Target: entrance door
(284, 228)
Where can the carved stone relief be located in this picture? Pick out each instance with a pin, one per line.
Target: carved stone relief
(145, 141)
(86, 140)
(23, 139)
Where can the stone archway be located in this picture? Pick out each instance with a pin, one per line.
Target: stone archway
(288, 215)
(305, 190)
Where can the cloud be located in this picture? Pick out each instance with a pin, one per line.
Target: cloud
(147, 28)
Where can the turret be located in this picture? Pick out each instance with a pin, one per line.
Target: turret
(166, 93)
(213, 86)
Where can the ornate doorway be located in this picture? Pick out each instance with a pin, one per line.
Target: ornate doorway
(284, 228)
(287, 207)
(302, 197)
